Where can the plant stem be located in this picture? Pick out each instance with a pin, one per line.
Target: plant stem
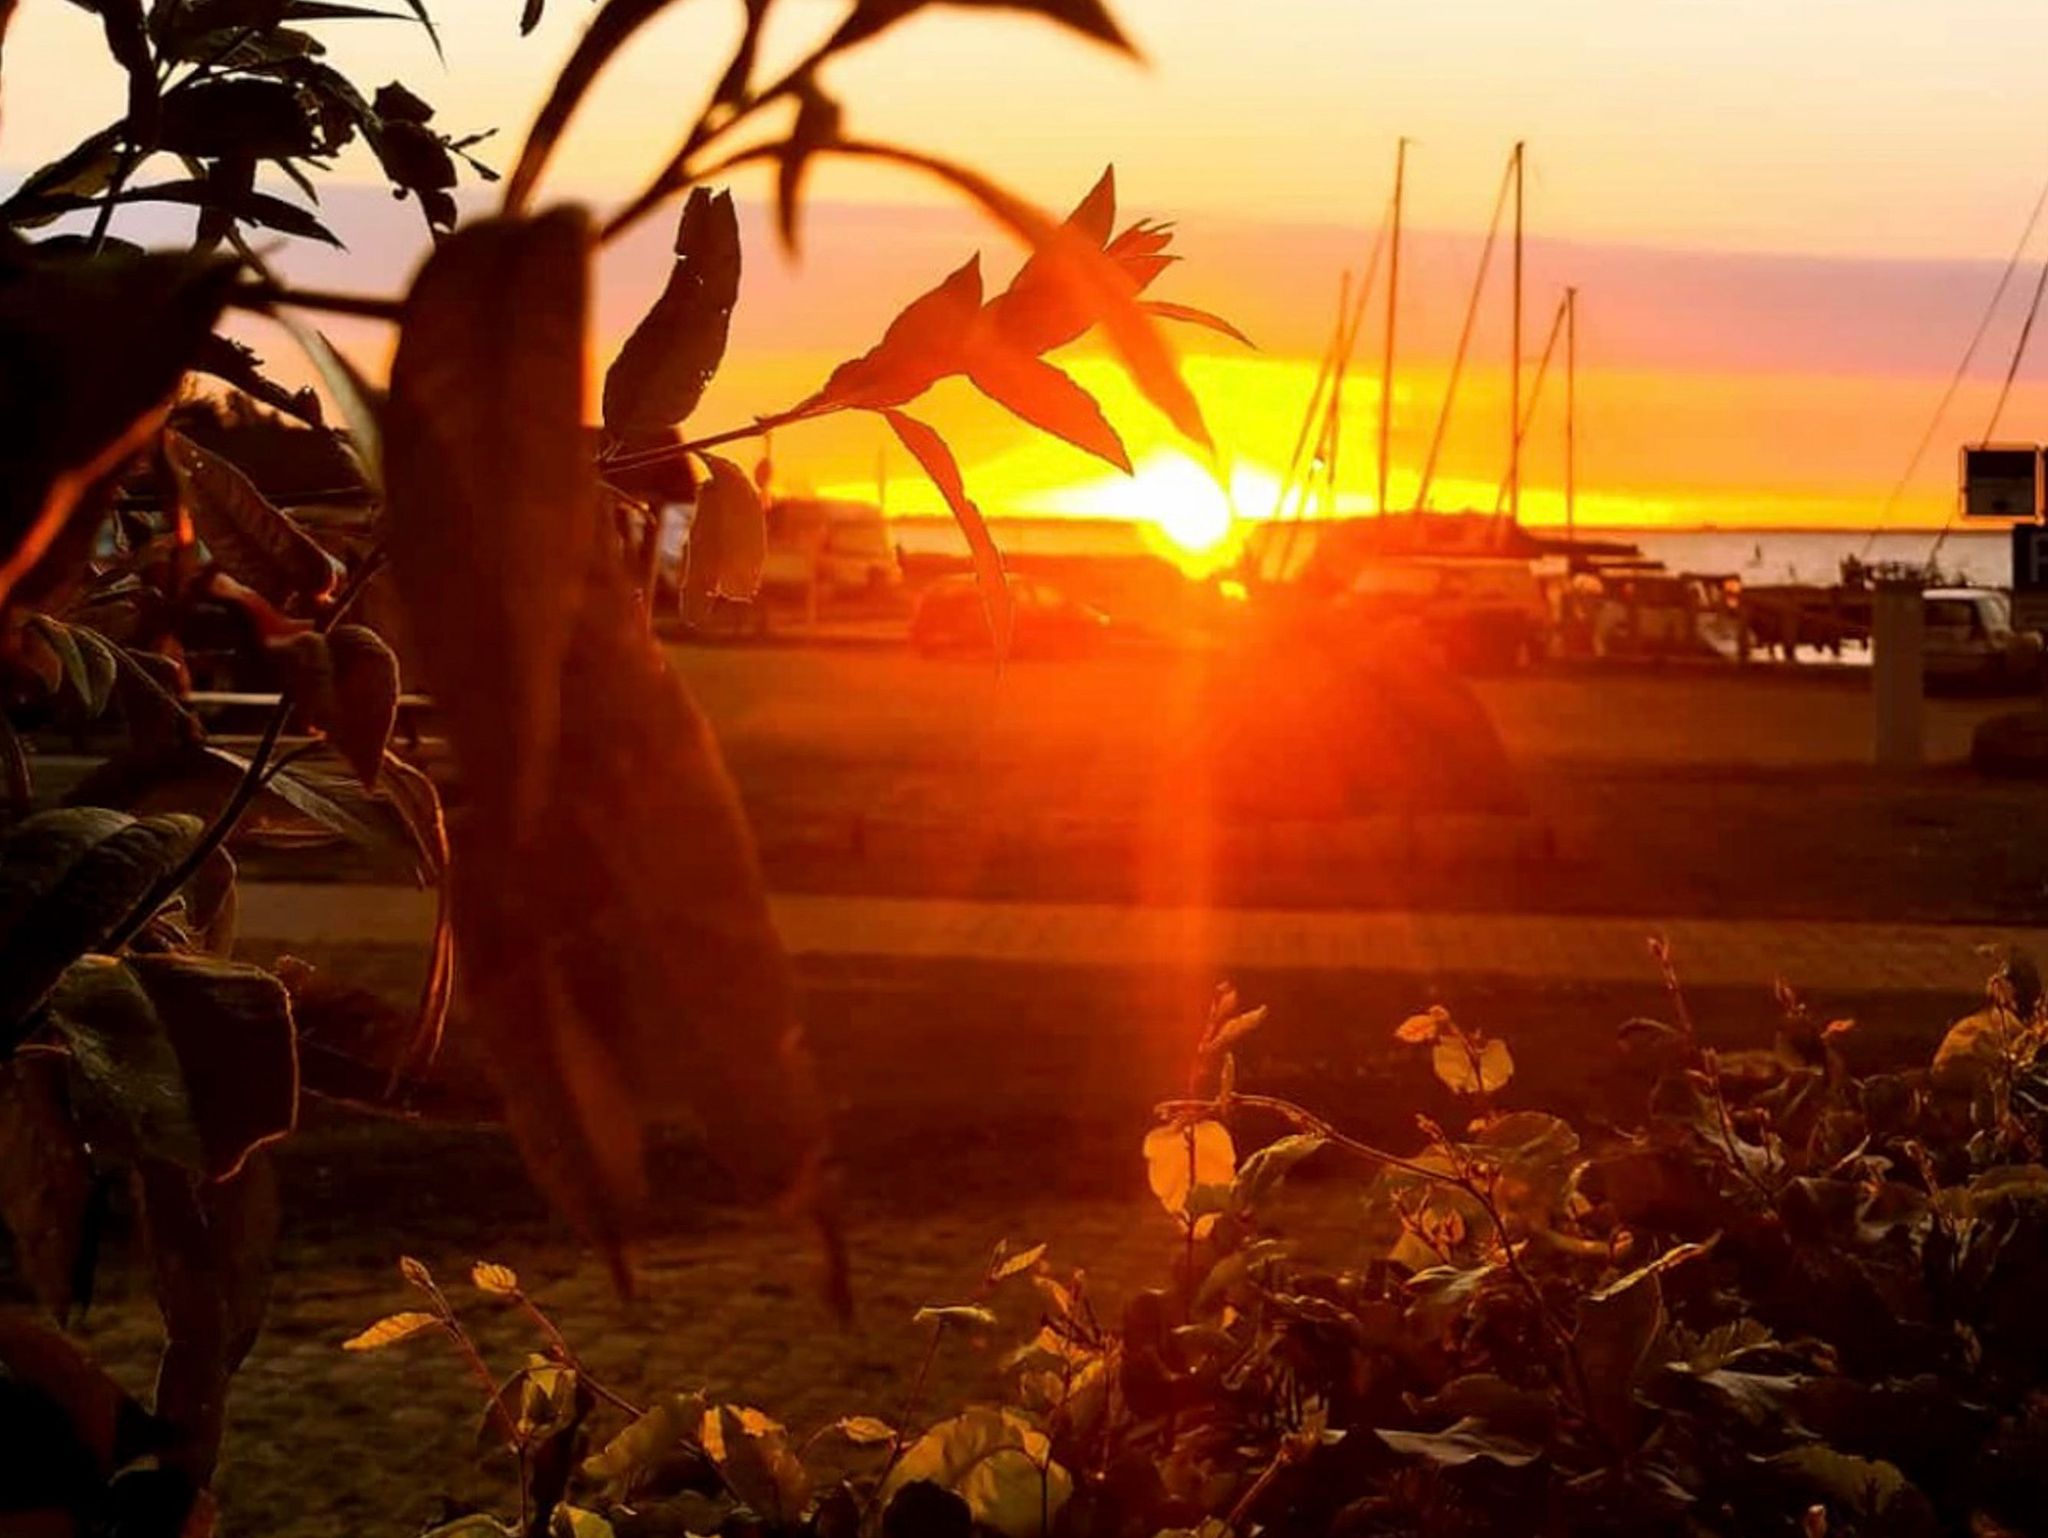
(266, 296)
(215, 834)
(253, 780)
(676, 175)
(761, 427)
(1309, 1122)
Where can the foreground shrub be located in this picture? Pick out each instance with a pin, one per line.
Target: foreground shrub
(1790, 1299)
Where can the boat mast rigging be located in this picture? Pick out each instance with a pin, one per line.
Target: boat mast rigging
(1393, 311)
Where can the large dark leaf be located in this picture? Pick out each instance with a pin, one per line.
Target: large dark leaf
(937, 462)
(1091, 18)
(90, 352)
(609, 910)
(1046, 398)
(230, 1025)
(490, 507)
(253, 541)
(124, 1055)
(67, 881)
(660, 374)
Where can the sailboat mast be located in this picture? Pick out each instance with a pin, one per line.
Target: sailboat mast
(1515, 361)
(1393, 302)
(1571, 413)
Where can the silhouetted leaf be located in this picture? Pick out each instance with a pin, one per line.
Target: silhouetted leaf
(728, 540)
(1101, 289)
(923, 344)
(90, 352)
(817, 125)
(80, 173)
(213, 198)
(931, 453)
(418, 804)
(237, 364)
(732, 85)
(1047, 399)
(660, 374)
(128, 42)
(1167, 310)
(365, 699)
(1091, 18)
(252, 540)
(240, 116)
(353, 394)
(67, 881)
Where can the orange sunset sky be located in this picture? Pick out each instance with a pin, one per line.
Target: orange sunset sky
(1784, 218)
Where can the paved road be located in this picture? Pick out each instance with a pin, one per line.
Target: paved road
(1220, 942)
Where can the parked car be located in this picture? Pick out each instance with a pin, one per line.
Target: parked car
(1969, 641)
(845, 544)
(1483, 615)
(1045, 622)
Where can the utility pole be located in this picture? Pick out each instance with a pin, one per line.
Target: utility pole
(1571, 414)
(1393, 301)
(1515, 359)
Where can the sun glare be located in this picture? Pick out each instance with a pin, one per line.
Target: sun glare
(1183, 512)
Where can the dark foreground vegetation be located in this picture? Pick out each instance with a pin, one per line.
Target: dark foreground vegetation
(1779, 1297)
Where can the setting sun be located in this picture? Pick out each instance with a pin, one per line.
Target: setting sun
(1181, 510)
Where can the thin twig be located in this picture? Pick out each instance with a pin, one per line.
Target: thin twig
(1307, 1121)
(265, 296)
